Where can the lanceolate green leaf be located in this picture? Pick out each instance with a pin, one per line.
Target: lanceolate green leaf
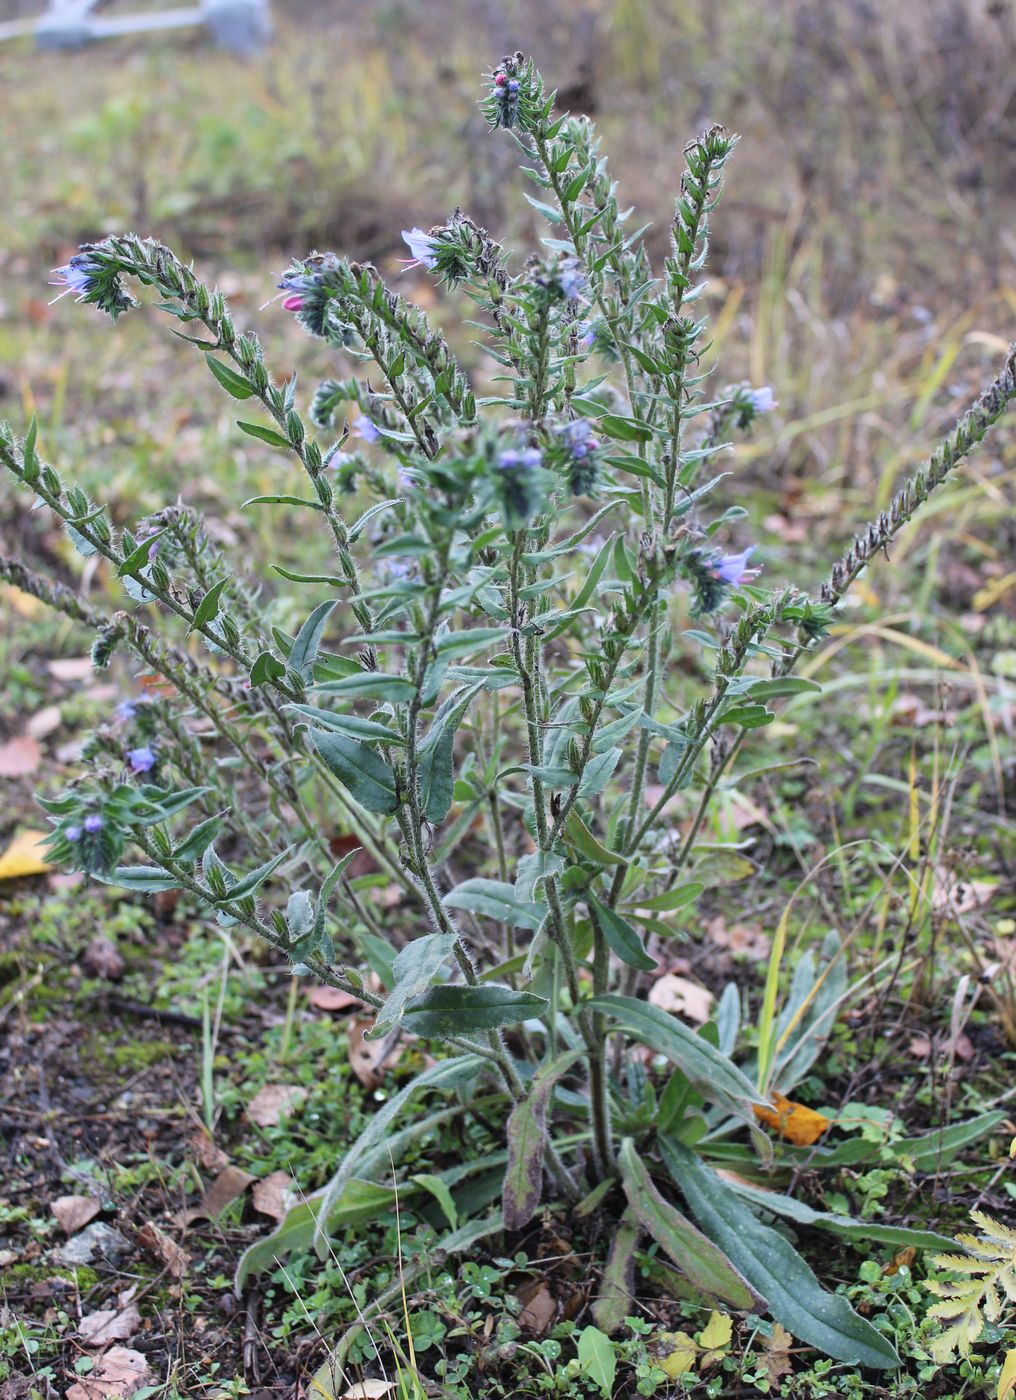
(232, 382)
(622, 938)
(463, 1010)
(308, 639)
(361, 1201)
(613, 1302)
(446, 1074)
(698, 1258)
(435, 772)
(370, 780)
(147, 878)
(773, 1266)
(208, 608)
(777, 1203)
(716, 1076)
(496, 900)
(527, 1141)
(415, 967)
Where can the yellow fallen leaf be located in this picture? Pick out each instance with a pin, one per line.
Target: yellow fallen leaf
(24, 604)
(24, 856)
(794, 1123)
(717, 1332)
(1007, 1380)
(677, 1354)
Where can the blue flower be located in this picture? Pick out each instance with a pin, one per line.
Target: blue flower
(141, 760)
(578, 438)
(733, 568)
(340, 459)
(366, 428)
(525, 457)
(571, 279)
(762, 400)
(77, 276)
(422, 247)
(94, 822)
(126, 710)
(73, 833)
(587, 338)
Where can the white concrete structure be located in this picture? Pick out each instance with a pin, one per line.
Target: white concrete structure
(242, 26)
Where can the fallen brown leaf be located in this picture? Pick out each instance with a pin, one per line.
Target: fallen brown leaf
(912, 710)
(332, 999)
(43, 722)
(117, 1375)
(74, 1212)
(538, 1307)
(369, 1390)
(209, 1153)
(273, 1101)
(230, 1183)
(370, 1060)
(794, 1123)
(901, 1260)
(156, 1242)
(776, 1352)
(274, 1195)
(70, 668)
(104, 959)
(741, 940)
(98, 1329)
(20, 756)
(684, 998)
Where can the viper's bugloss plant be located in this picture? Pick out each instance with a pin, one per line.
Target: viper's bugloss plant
(495, 692)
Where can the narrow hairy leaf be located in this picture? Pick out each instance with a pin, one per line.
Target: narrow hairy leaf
(308, 640)
(496, 900)
(414, 968)
(370, 780)
(773, 1266)
(621, 937)
(712, 1073)
(446, 1074)
(233, 383)
(464, 1010)
(705, 1266)
(527, 1141)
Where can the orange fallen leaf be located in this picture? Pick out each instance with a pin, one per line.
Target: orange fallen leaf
(776, 1352)
(24, 856)
(901, 1260)
(794, 1123)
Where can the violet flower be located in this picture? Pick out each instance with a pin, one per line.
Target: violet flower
(141, 760)
(94, 822)
(527, 457)
(125, 711)
(571, 279)
(578, 437)
(73, 833)
(77, 276)
(733, 568)
(762, 400)
(422, 247)
(366, 428)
